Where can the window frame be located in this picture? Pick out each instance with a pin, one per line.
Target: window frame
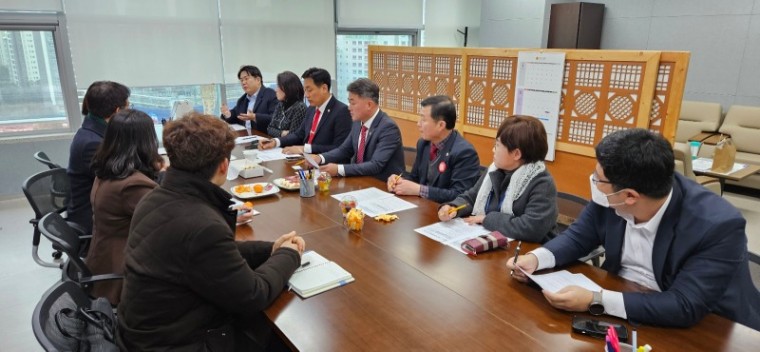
(54, 22)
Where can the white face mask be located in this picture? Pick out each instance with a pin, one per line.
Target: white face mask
(600, 197)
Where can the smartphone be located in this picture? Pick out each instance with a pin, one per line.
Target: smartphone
(598, 328)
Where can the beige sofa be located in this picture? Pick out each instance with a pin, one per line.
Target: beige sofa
(743, 124)
(697, 117)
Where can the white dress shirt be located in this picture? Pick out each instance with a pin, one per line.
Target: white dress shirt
(251, 104)
(635, 262)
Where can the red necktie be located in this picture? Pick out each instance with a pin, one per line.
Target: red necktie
(314, 126)
(433, 151)
(362, 142)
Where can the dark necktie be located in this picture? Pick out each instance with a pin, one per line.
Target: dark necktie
(433, 151)
(362, 142)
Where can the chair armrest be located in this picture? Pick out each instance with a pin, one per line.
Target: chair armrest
(103, 277)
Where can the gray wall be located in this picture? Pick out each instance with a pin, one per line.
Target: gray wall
(722, 36)
(18, 164)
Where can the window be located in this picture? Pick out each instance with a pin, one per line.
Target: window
(37, 90)
(353, 41)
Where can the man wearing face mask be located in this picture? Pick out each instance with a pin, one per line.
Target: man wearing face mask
(683, 243)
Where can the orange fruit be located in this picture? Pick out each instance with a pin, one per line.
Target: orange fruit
(248, 205)
(258, 188)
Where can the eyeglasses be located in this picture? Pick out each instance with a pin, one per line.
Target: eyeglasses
(596, 180)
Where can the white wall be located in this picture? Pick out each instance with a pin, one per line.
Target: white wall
(444, 17)
(722, 36)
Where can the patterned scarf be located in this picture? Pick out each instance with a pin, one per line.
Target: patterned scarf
(517, 185)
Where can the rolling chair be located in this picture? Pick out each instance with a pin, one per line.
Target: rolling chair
(47, 191)
(43, 158)
(570, 207)
(95, 332)
(63, 236)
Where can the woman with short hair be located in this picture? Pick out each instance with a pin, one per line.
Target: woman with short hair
(517, 195)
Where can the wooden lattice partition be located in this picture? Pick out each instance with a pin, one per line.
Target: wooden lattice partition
(603, 91)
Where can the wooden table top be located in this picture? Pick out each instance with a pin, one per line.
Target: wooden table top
(412, 293)
(739, 175)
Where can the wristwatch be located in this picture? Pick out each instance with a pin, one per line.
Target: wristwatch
(596, 307)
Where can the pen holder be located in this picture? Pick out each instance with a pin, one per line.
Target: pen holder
(307, 188)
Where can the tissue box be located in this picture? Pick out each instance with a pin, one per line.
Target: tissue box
(252, 171)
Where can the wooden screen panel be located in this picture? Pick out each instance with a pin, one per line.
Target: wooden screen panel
(490, 90)
(666, 104)
(406, 78)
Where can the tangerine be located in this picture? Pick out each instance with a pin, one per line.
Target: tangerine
(258, 188)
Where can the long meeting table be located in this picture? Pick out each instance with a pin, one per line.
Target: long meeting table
(413, 293)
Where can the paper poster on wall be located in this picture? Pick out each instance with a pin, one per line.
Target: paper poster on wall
(539, 90)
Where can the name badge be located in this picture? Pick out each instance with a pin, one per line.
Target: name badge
(442, 167)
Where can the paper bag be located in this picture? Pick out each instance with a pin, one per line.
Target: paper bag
(725, 155)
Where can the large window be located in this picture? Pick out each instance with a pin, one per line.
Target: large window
(352, 54)
(36, 90)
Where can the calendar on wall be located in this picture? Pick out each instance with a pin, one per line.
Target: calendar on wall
(539, 90)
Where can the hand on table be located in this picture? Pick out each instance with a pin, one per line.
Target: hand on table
(392, 180)
(406, 188)
(330, 168)
(446, 213)
(571, 298)
(294, 149)
(290, 240)
(526, 262)
(265, 144)
(475, 219)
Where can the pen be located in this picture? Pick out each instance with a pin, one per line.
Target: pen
(300, 162)
(267, 169)
(633, 340)
(455, 210)
(514, 262)
(305, 264)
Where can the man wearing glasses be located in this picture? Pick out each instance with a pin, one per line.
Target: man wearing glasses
(685, 245)
(255, 107)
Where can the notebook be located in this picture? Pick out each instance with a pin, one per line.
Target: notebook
(318, 276)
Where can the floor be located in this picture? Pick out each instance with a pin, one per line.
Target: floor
(22, 282)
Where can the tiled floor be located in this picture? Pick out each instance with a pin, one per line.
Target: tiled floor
(22, 282)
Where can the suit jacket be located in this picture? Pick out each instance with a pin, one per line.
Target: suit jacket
(462, 168)
(186, 276)
(113, 203)
(266, 101)
(700, 258)
(86, 141)
(333, 128)
(383, 152)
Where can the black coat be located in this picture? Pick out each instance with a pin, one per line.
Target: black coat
(184, 272)
(333, 128)
(86, 141)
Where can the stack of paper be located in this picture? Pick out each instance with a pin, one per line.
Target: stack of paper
(375, 202)
(555, 281)
(271, 154)
(317, 275)
(705, 165)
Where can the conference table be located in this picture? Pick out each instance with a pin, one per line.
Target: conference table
(413, 293)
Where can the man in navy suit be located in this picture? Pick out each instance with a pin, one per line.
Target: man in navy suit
(255, 107)
(665, 232)
(102, 100)
(373, 148)
(446, 164)
(327, 121)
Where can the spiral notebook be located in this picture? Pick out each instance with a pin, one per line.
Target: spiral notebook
(318, 276)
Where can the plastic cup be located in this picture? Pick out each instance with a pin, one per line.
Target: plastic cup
(694, 148)
(323, 182)
(346, 204)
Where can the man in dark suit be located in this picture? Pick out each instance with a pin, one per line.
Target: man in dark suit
(255, 107)
(327, 121)
(373, 148)
(685, 244)
(102, 100)
(446, 164)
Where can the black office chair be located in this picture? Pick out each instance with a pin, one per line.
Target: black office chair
(570, 207)
(58, 231)
(47, 191)
(43, 158)
(59, 313)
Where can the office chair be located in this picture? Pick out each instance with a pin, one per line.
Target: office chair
(47, 191)
(63, 236)
(570, 207)
(60, 309)
(43, 158)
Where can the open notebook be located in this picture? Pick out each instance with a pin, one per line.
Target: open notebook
(318, 276)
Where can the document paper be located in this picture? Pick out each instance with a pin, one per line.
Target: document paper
(558, 280)
(452, 233)
(271, 154)
(375, 202)
(705, 165)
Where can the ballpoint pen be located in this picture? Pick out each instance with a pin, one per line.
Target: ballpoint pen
(517, 253)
